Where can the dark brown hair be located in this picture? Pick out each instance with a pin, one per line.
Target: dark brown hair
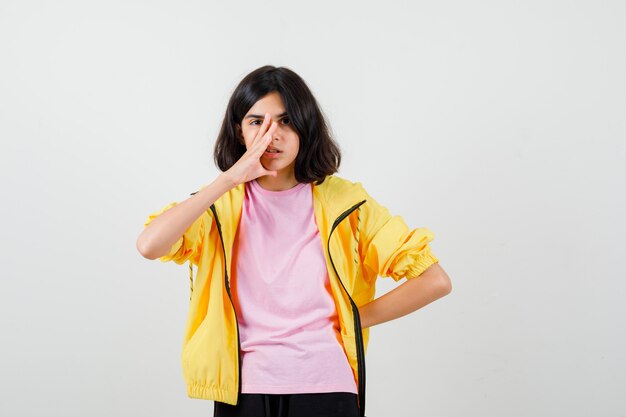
(318, 154)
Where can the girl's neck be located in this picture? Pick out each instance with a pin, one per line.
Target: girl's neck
(278, 183)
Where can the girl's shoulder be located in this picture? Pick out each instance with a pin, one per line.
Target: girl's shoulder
(334, 184)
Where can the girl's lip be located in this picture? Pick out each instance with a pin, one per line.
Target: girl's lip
(271, 154)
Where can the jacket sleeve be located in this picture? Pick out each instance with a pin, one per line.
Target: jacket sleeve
(189, 245)
(388, 247)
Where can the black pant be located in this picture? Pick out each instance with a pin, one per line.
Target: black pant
(321, 404)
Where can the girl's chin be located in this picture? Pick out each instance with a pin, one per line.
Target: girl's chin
(272, 165)
(269, 164)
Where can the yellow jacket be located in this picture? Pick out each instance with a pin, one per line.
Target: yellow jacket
(362, 240)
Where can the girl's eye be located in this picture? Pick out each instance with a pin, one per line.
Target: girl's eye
(254, 122)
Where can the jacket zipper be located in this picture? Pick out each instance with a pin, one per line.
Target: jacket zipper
(226, 281)
(360, 353)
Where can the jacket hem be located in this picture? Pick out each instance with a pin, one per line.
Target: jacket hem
(203, 392)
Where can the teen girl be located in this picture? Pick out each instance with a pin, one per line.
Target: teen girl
(287, 255)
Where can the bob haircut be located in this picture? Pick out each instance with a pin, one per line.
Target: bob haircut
(318, 154)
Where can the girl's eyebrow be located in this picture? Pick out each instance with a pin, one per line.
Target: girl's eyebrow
(257, 116)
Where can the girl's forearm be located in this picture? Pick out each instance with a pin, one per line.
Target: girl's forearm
(411, 295)
(159, 236)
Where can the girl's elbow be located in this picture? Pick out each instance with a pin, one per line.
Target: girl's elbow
(446, 286)
(143, 248)
(444, 282)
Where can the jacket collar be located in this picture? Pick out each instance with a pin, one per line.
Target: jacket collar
(331, 198)
(335, 194)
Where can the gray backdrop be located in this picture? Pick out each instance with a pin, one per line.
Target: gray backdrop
(498, 125)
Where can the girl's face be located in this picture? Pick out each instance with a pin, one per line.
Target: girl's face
(285, 137)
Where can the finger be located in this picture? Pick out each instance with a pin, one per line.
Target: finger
(264, 127)
(261, 145)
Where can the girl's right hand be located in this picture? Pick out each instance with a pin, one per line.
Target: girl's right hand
(249, 166)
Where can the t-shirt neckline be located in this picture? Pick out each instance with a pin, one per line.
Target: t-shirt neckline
(290, 191)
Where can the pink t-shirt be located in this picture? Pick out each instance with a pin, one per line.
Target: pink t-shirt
(288, 322)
